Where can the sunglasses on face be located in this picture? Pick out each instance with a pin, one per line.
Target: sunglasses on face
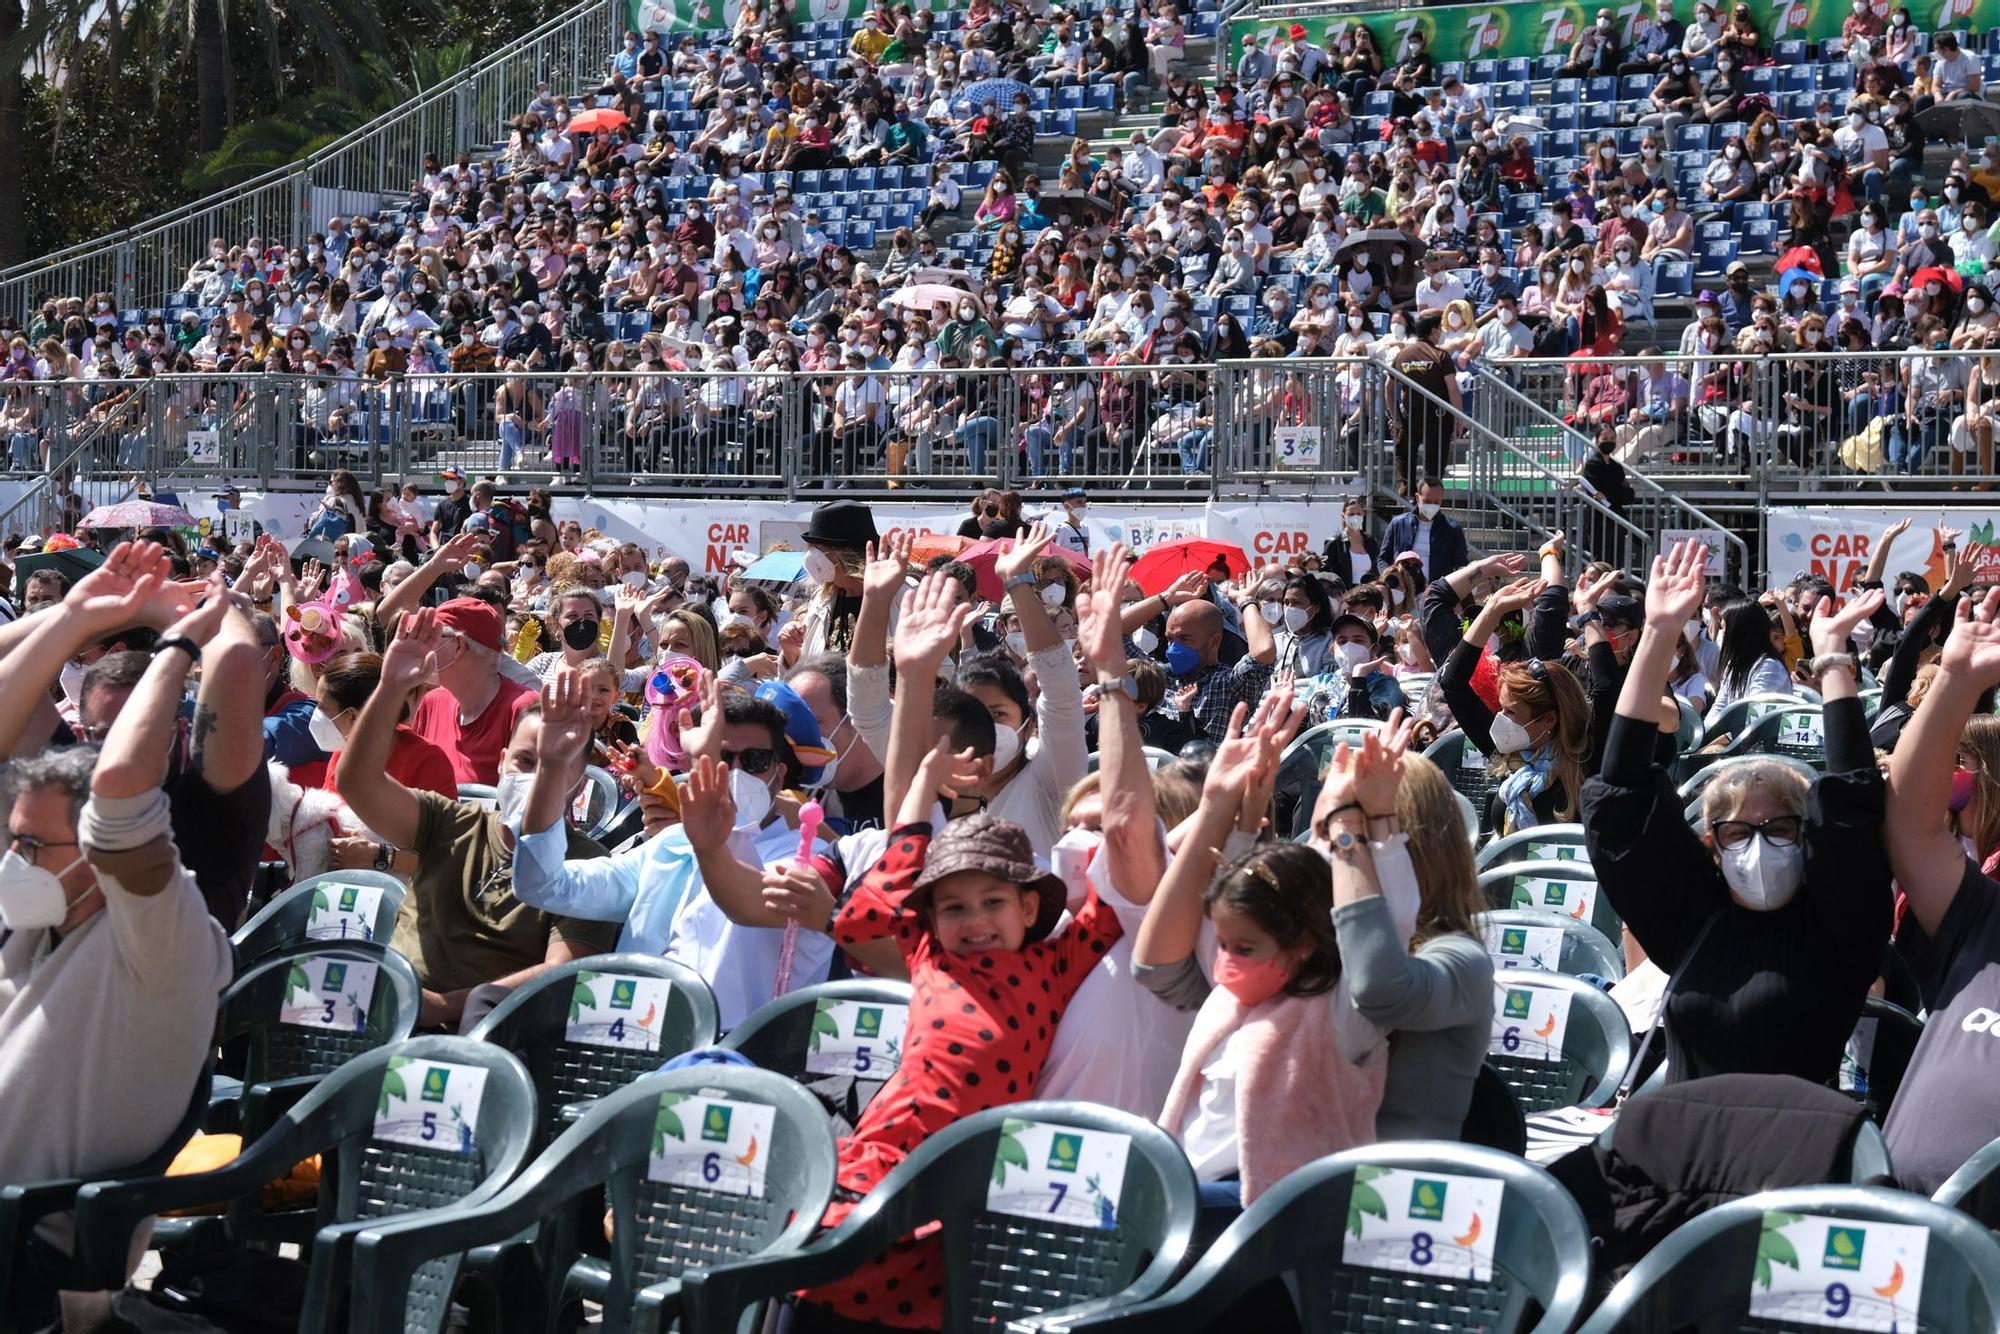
(755, 761)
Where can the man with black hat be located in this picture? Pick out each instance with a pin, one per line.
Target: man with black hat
(837, 542)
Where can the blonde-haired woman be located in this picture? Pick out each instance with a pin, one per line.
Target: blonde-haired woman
(1436, 994)
(1776, 914)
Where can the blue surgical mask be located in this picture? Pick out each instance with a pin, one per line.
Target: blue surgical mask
(1181, 659)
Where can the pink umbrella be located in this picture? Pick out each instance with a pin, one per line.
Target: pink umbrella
(138, 514)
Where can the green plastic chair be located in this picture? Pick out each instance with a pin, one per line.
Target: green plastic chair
(1530, 884)
(1739, 714)
(1001, 1269)
(1975, 1187)
(1302, 767)
(1887, 1034)
(782, 1035)
(24, 1204)
(533, 1023)
(1543, 843)
(1597, 1044)
(287, 920)
(661, 1230)
(1688, 735)
(1692, 787)
(605, 804)
(1468, 816)
(1156, 759)
(1475, 784)
(1871, 702)
(279, 1061)
(1702, 1275)
(1541, 1259)
(1778, 733)
(1584, 948)
(363, 1178)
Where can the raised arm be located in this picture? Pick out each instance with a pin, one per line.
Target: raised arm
(229, 710)
(883, 577)
(134, 759)
(379, 801)
(932, 617)
(1673, 598)
(408, 596)
(1173, 917)
(748, 895)
(1134, 854)
(1926, 857)
(1878, 559)
(1014, 568)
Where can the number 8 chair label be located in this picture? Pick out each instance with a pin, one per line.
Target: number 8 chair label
(1416, 1222)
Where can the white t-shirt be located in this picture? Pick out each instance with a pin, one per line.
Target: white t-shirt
(1949, 76)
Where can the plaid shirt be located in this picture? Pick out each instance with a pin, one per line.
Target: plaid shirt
(1219, 689)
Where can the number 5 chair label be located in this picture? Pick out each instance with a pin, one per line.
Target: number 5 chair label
(1435, 1223)
(711, 1144)
(859, 1038)
(430, 1104)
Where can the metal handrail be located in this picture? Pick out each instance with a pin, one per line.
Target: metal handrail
(1491, 382)
(470, 108)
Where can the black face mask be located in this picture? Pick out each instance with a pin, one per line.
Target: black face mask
(580, 635)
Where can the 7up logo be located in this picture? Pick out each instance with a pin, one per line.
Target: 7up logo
(623, 990)
(434, 1081)
(715, 1125)
(1514, 940)
(1517, 1005)
(1064, 1150)
(1427, 1200)
(868, 1022)
(1843, 1247)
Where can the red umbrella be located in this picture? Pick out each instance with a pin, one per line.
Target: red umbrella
(598, 118)
(1156, 571)
(982, 557)
(929, 545)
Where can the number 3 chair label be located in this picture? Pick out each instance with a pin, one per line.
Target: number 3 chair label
(431, 1104)
(859, 1038)
(328, 993)
(1838, 1272)
(711, 1144)
(1049, 1171)
(1422, 1223)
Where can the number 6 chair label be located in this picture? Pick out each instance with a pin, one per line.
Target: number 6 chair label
(1059, 1173)
(430, 1104)
(711, 1144)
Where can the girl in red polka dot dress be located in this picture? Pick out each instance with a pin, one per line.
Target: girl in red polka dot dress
(972, 916)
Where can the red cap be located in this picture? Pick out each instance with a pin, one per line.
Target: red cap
(474, 619)
(1298, 30)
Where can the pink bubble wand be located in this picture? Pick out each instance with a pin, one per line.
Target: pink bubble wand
(811, 816)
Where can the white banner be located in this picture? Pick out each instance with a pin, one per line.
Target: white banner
(1837, 541)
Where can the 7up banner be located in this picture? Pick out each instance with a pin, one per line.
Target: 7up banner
(1500, 32)
(675, 15)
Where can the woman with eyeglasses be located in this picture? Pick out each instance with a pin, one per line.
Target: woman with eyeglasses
(1775, 916)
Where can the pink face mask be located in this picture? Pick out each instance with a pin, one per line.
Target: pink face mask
(1962, 781)
(1251, 982)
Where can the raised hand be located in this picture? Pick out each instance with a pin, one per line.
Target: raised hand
(632, 763)
(930, 624)
(1517, 596)
(940, 771)
(311, 577)
(704, 737)
(1830, 628)
(458, 551)
(1235, 767)
(1100, 634)
(120, 592)
(1973, 650)
(887, 565)
(708, 811)
(1021, 557)
(1958, 568)
(412, 658)
(1187, 588)
(1506, 565)
(1273, 726)
(565, 721)
(1378, 768)
(1894, 531)
(1675, 592)
(1591, 592)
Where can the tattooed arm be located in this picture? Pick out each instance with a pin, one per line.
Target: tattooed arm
(228, 743)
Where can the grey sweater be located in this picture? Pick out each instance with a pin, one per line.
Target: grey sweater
(1436, 1002)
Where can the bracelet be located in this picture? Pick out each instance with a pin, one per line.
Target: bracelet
(1586, 619)
(1818, 666)
(181, 642)
(1022, 580)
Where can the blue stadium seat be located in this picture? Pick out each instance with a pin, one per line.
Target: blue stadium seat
(1514, 67)
(1797, 79)
(1760, 237)
(1562, 116)
(1713, 257)
(1377, 103)
(1691, 138)
(1792, 51)
(1565, 90)
(1100, 97)
(1546, 66)
(1672, 278)
(1069, 97)
(1635, 87)
(1755, 210)
(1486, 71)
(1601, 88)
(1521, 209)
(1760, 79)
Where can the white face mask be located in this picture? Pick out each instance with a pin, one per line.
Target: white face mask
(1761, 877)
(1006, 746)
(71, 678)
(1273, 612)
(819, 566)
(1296, 618)
(32, 897)
(1428, 508)
(1145, 640)
(513, 790)
(1052, 596)
(1352, 520)
(753, 799)
(1509, 736)
(1017, 644)
(324, 734)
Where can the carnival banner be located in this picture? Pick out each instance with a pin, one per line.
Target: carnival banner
(1837, 541)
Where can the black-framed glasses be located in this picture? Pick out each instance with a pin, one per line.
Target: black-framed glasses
(31, 847)
(1781, 831)
(756, 761)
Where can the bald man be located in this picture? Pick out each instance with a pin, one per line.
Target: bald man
(1194, 642)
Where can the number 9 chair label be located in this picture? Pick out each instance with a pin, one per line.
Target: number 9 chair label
(1838, 1273)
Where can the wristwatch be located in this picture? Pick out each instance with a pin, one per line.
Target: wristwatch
(1586, 619)
(1121, 685)
(181, 642)
(385, 857)
(1021, 580)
